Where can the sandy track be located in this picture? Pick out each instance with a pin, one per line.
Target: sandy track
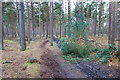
(50, 65)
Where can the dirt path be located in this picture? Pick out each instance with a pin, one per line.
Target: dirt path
(52, 59)
(50, 62)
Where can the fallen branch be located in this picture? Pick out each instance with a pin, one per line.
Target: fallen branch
(7, 62)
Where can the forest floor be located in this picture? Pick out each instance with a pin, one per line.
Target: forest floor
(50, 62)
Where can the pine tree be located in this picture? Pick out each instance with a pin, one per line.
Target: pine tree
(100, 14)
(109, 31)
(103, 21)
(47, 19)
(1, 27)
(60, 19)
(95, 20)
(18, 23)
(116, 19)
(65, 18)
(114, 24)
(69, 14)
(28, 25)
(22, 27)
(32, 14)
(51, 22)
(88, 16)
(39, 23)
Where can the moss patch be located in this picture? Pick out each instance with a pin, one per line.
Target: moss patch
(32, 69)
(9, 41)
(26, 50)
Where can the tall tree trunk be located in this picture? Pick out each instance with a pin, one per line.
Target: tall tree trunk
(69, 15)
(100, 14)
(47, 19)
(22, 27)
(12, 31)
(63, 22)
(39, 23)
(69, 10)
(77, 10)
(95, 20)
(88, 16)
(118, 37)
(103, 24)
(65, 18)
(6, 31)
(114, 24)
(51, 22)
(1, 27)
(119, 43)
(13, 25)
(43, 25)
(82, 11)
(109, 31)
(28, 25)
(35, 30)
(56, 28)
(115, 18)
(60, 19)
(18, 22)
(107, 20)
(32, 13)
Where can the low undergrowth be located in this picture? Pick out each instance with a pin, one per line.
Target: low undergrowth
(77, 44)
(107, 53)
(69, 48)
(71, 44)
(73, 53)
(71, 59)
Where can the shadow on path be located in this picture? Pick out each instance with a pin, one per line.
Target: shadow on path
(54, 69)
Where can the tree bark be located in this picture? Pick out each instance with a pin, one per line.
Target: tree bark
(65, 18)
(1, 27)
(32, 13)
(100, 13)
(56, 32)
(114, 24)
(69, 10)
(47, 19)
(28, 25)
(88, 16)
(18, 23)
(81, 11)
(76, 10)
(109, 31)
(51, 22)
(60, 19)
(43, 25)
(22, 27)
(115, 18)
(103, 25)
(69, 14)
(39, 24)
(95, 20)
